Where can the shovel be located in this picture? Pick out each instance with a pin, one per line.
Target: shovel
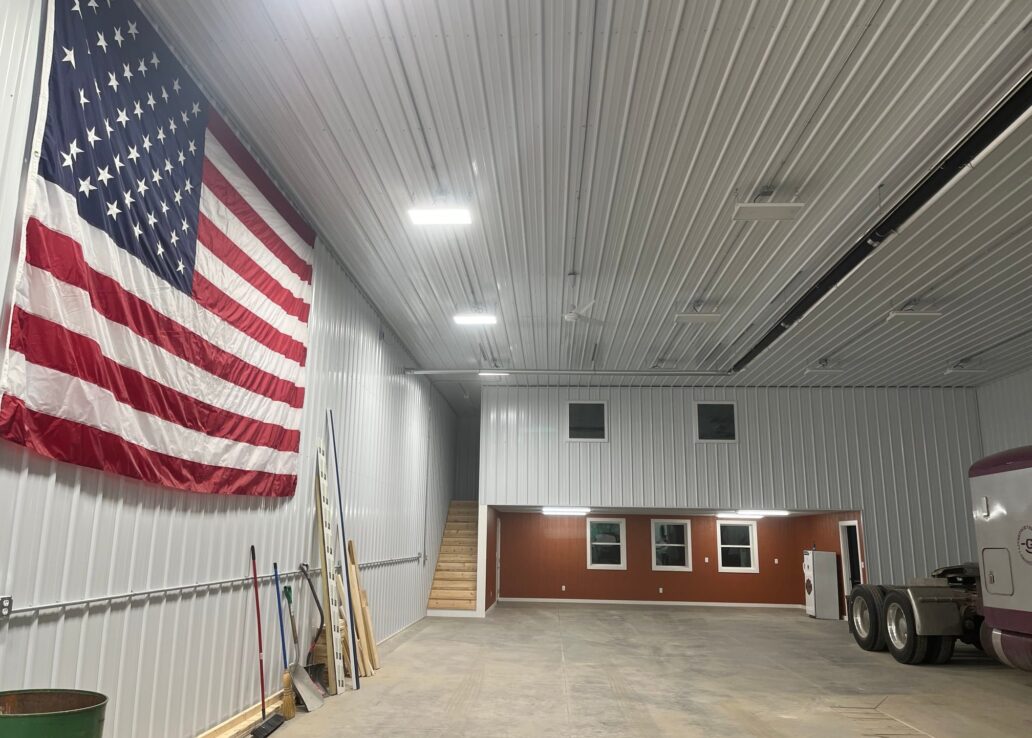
(305, 688)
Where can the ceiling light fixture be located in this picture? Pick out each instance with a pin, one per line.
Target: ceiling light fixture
(565, 510)
(440, 216)
(912, 316)
(768, 210)
(961, 369)
(737, 516)
(475, 319)
(763, 513)
(823, 366)
(696, 317)
(492, 374)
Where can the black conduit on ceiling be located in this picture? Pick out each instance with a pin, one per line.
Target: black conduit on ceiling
(981, 137)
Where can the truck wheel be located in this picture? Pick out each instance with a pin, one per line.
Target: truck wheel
(905, 645)
(865, 614)
(940, 649)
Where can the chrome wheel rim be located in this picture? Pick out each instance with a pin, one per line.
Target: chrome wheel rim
(861, 617)
(896, 625)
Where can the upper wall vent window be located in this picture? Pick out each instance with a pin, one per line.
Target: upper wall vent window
(586, 421)
(715, 421)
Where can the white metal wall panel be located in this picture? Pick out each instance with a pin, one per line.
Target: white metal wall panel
(898, 455)
(178, 663)
(467, 458)
(1005, 407)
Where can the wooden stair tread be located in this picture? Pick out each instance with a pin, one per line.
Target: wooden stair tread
(454, 586)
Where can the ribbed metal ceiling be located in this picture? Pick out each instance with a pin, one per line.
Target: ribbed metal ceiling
(612, 139)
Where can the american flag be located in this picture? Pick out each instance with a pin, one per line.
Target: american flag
(160, 314)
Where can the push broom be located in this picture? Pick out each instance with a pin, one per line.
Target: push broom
(288, 707)
(269, 724)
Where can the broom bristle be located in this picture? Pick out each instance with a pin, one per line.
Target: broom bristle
(288, 706)
(268, 727)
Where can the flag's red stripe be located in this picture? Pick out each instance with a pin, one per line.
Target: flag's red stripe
(48, 344)
(234, 257)
(223, 189)
(62, 256)
(212, 298)
(221, 130)
(76, 443)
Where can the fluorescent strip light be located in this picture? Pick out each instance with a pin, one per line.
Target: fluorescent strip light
(492, 374)
(962, 370)
(696, 317)
(768, 210)
(440, 216)
(822, 370)
(912, 316)
(475, 319)
(763, 513)
(737, 516)
(565, 510)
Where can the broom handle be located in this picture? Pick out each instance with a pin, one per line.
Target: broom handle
(258, 615)
(279, 607)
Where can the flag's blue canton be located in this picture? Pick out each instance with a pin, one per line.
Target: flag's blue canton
(125, 133)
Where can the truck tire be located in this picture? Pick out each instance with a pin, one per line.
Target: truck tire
(905, 645)
(865, 612)
(940, 649)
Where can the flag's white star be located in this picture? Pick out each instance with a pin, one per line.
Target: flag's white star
(151, 220)
(118, 163)
(154, 60)
(119, 38)
(103, 175)
(156, 176)
(85, 186)
(181, 267)
(133, 154)
(132, 30)
(73, 149)
(172, 124)
(175, 86)
(168, 165)
(147, 144)
(164, 207)
(161, 134)
(141, 185)
(128, 197)
(96, 87)
(82, 98)
(174, 238)
(113, 210)
(93, 4)
(161, 249)
(182, 159)
(66, 159)
(188, 187)
(185, 116)
(112, 81)
(137, 110)
(177, 196)
(164, 93)
(151, 101)
(91, 136)
(186, 226)
(192, 147)
(122, 117)
(69, 56)
(137, 231)
(76, 8)
(101, 42)
(196, 110)
(108, 128)
(142, 69)
(127, 72)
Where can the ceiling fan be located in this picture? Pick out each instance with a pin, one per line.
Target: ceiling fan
(580, 314)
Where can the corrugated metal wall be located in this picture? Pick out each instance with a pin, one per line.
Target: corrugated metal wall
(467, 458)
(1005, 407)
(898, 455)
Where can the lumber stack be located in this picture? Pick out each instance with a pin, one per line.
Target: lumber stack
(368, 657)
(455, 579)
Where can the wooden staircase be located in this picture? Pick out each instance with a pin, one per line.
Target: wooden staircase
(455, 579)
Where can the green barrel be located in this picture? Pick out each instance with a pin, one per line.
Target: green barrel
(48, 713)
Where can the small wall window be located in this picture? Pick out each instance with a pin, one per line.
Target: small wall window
(736, 546)
(715, 422)
(586, 421)
(607, 543)
(671, 545)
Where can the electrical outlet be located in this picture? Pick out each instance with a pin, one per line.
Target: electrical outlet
(6, 605)
(564, 588)
(707, 559)
(661, 590)
(775, 561)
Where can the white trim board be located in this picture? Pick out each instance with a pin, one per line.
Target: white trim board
(667, 603)
(453, 614)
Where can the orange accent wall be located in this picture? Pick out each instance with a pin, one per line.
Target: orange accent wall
(542, 553)
(490, 594)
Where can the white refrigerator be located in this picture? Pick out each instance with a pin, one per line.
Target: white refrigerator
(820, 581)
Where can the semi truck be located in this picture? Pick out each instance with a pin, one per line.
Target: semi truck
(987, 603)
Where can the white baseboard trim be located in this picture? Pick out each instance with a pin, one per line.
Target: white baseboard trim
(668, 603)
(453, 614)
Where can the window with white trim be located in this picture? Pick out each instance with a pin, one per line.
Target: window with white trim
(607, 543)
(715, 422)
(671, 545)
(586, 421)
(736, 546)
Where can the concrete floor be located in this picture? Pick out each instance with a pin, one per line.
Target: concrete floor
(587, 670)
